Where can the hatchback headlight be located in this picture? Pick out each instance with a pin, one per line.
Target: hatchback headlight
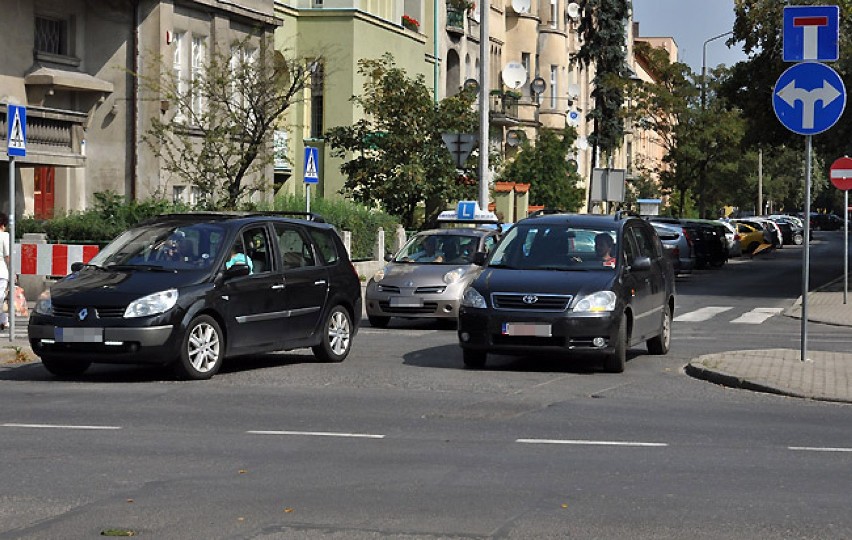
(380, 274)
(597, 302)
(44, 305)
(473, 299)
(453, 275)
(153, 304)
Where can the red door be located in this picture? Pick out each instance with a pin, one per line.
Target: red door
(43, 192)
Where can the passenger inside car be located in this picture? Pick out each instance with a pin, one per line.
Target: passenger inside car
(604, 247)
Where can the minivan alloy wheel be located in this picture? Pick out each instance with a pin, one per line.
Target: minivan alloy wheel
(201, 350)
(336, 338)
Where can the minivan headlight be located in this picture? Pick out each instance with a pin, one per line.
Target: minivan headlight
(473, 299)
(453, 275)
(596, 302)
(44, 305)
(153, 304)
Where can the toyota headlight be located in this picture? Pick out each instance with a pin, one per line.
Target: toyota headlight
(153, 304)
(597, 302)
(44, 305)
(473, 299)
(453, 275)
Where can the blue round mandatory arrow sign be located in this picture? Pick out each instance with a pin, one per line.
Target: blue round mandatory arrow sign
(809, 98)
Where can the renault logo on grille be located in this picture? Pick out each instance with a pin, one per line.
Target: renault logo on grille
(530, 299)
(82, 314)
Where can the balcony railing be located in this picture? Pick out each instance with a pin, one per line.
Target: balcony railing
(455, 19)
(504, 109)
(53, 136)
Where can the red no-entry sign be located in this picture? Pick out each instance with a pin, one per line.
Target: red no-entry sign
(841, 173)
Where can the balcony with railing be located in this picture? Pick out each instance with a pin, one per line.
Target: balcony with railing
(503, 107)
(54, 137)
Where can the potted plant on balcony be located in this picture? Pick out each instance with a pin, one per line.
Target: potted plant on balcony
(461, 5)
(512, 95)
(410, 23)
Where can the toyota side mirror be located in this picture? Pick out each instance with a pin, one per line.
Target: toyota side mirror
(479, 258)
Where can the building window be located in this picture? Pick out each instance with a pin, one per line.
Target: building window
(241, 66)
(51, 36)
(178, 194)
(316, 86)
(177, 72)
(554, 21)
(199, 50)
(554, 88)
(525, 61)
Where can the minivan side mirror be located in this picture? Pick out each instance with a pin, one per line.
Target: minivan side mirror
(641, 264)
(479, 258)
(388, 257)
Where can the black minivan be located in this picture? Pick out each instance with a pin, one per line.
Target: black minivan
(191, 289)
(571, 282)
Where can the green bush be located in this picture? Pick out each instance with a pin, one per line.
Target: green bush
(347, 215)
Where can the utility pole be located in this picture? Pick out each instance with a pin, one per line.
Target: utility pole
(484, 92)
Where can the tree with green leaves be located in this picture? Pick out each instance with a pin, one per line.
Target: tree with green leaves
(552, 181)
(217, 131)
(395, 156)
(602, 27)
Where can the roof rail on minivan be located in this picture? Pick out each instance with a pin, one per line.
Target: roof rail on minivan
(308, 216)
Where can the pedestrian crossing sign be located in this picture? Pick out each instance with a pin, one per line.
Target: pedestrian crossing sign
(16, 133)
(311, 165)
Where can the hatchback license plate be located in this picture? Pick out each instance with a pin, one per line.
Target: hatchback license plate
(527, 329)
(78, 335)
(406, 302)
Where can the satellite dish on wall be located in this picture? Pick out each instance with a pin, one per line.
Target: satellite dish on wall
(513, 139)
(573, 91)
(581, 143)
(521, 6)
(514, 75)
(573, 11)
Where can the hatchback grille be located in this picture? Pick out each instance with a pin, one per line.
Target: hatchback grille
(530, 302)
(101, 312)
(428, 307)
(430, 290)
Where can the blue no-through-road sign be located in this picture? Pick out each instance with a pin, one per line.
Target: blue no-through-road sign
(16, 132)
(811, 33)
(809, 98)
(311, 165)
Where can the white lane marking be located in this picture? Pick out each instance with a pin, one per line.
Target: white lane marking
(317, 434)
(58, 426)
(398, 332)
(818, 449)
(589, 443)
(757, 315)
(701, 314)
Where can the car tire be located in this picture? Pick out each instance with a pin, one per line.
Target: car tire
(336, 339)
(615, 362)
(64, 368)
(660, 344)
(377, 321)
(798, 239)
(202, 349)
(474, 359)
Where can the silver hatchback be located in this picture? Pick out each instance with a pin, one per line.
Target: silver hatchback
(427, 277)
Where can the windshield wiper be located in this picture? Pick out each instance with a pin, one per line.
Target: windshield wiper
(149, 267)
(90, 265)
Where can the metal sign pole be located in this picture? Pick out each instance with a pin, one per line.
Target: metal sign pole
(10, 295)
(307, 198)
(845, 244)
(807, 251)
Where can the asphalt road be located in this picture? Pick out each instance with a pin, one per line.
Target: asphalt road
(400, 441)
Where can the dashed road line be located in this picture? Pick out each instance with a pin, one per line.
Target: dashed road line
(317, 434)
(59, 426)
(818, 449)
(702, 314)
(757, 315)
(590, 443)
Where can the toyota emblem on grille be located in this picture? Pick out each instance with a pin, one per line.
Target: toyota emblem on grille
(530, 299)
(82, 314)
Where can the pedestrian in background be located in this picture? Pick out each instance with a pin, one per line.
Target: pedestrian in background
(5, 253)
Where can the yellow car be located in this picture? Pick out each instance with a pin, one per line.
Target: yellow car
(750, 237)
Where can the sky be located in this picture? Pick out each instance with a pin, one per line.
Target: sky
(690, 23)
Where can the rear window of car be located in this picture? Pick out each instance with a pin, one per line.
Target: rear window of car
(325, 244)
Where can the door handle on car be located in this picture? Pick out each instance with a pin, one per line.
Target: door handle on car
(319, 282)
(279, 286)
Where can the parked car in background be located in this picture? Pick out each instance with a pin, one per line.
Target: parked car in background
(826, 222)
(427, 277)
(542, 290)
(792, 228)
(752, 235)
(189, 290)
(708, 239)
(678, 245)
(735, 248)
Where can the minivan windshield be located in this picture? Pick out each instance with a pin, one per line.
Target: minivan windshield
(163, 246)
(439, 249)
(556, 247)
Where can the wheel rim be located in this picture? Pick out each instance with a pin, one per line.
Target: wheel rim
(667, 329)
(338, 333)
(203, 347)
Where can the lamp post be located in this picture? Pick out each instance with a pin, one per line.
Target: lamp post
(702, 180)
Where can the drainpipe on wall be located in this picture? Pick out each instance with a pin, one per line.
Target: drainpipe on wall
(134, 101)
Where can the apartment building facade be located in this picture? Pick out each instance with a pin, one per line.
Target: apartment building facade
(72, 64)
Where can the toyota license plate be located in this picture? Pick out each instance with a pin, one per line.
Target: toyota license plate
(78, 335)
(527, 329)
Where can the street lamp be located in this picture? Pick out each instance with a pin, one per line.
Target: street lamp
(702, 180)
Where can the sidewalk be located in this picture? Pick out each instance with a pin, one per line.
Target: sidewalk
(823, 376)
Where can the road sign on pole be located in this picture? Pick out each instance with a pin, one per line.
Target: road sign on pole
(311, 165)
(811, 33)
(840, 174)
(809, 98)
(16, 132)
(460, 146)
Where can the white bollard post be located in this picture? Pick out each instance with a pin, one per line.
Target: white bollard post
(379, 248)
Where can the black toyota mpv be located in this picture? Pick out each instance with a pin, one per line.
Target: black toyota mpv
(571, 282)
(191, 289)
